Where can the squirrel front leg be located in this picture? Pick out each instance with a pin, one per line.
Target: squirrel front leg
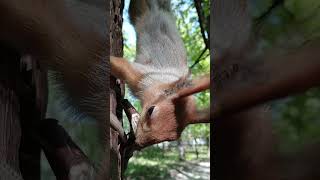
(124, 70)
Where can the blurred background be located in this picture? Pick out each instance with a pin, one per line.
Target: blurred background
(278, 27)
(286, 24)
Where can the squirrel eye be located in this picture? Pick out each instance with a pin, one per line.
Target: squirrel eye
(150, 110)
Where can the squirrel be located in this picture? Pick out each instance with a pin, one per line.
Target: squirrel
(57, 35)
(159, 77)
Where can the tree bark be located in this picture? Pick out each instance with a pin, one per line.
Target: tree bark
(116, 88)
(196, 147)
(33, 105)
(10, 128)
(23, 88)
(181, 150)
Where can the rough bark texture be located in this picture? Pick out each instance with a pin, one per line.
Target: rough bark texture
(33, 105)
(116, 89)
(23, 99)
(10, 129)
(23, 102)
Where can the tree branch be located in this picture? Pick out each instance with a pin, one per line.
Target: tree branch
(129, 147)
(66, 159)
(116, 124)
(279, 76)
(202, 21)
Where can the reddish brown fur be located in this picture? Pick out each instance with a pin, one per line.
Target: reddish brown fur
(122, 69)
(175, 111)
(168, 125)
(159, 76)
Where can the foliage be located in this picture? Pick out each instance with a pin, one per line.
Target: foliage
(289, 25)
(298, 121)
(155, 163)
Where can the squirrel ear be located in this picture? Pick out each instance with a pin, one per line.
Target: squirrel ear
(124, 70)
(189, 87)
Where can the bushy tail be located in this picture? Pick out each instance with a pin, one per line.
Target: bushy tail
(159, 45)
(138, 8)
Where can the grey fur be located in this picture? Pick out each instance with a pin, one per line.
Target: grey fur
(89, 14)
(90, 17)
(160, 55)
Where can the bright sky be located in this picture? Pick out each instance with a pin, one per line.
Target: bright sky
(127, 29)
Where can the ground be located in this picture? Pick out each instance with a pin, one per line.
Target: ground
(157, 164)
(191, 171)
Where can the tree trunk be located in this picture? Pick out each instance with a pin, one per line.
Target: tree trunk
(196, 147)
(10, 128)
(208, 144)
(116, 88)
(33, 105)
(243, 146)
(181, 150)
(23, 99)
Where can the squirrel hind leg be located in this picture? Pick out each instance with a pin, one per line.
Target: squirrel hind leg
(138, 8)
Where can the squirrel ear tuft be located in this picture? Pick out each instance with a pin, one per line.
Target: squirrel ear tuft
(188, 87)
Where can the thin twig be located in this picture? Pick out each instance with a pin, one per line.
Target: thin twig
(129, 147)
(116, 124)
(199, 58)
